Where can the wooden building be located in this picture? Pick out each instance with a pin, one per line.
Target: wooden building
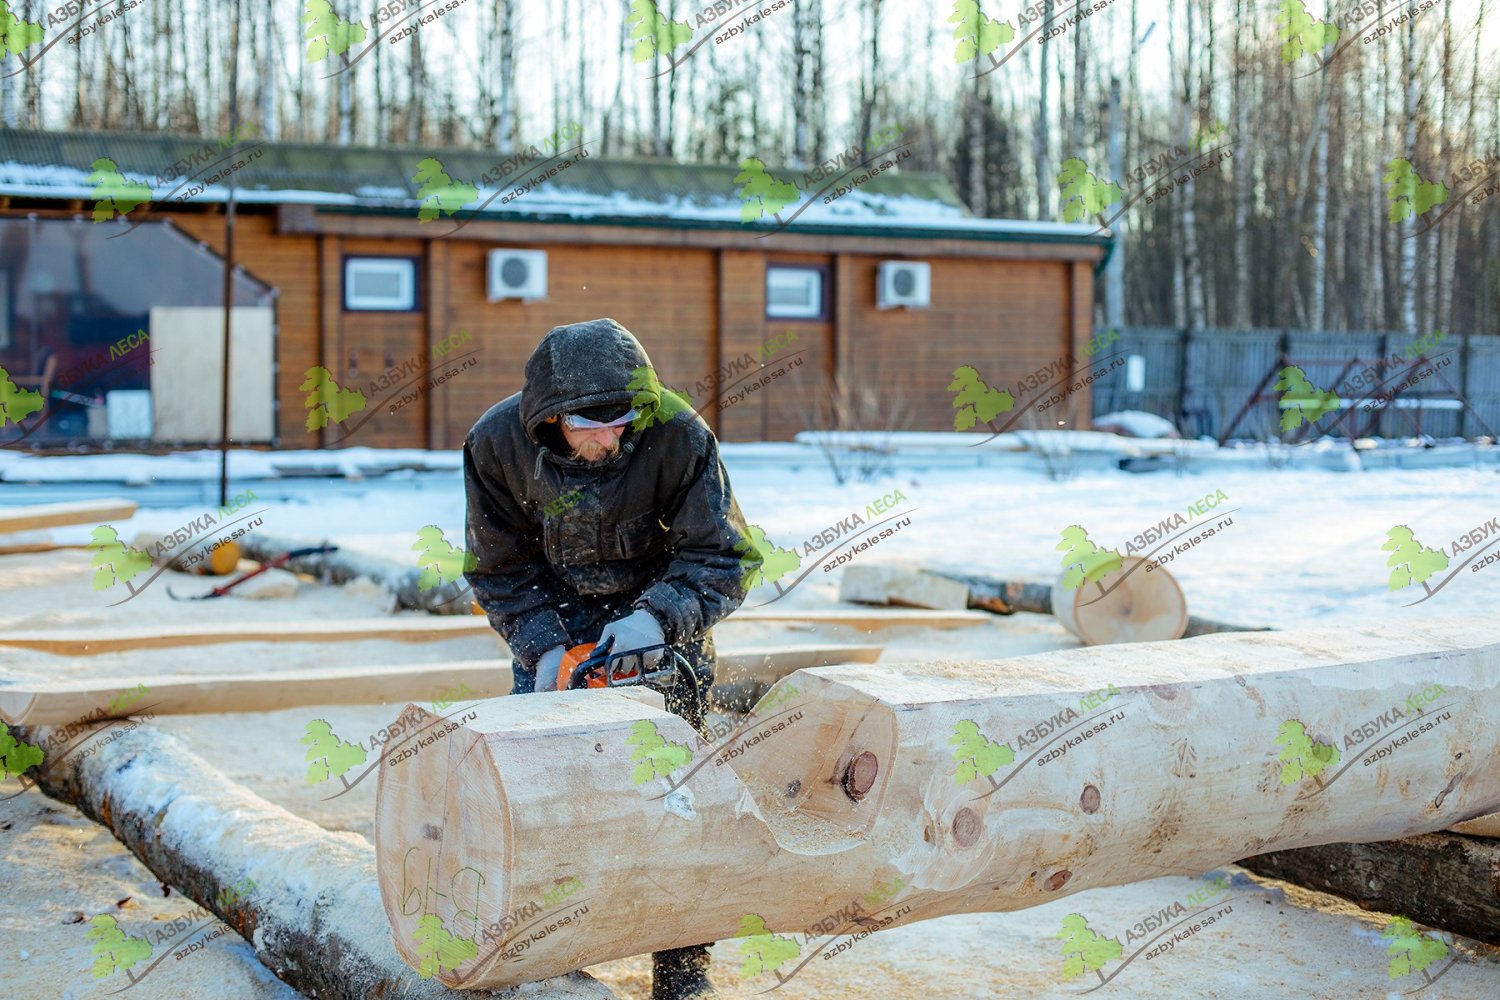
(363, 261)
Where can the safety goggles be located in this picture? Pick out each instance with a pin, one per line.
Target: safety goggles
(574, 422)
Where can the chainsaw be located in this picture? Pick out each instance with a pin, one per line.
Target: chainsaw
(592, 665)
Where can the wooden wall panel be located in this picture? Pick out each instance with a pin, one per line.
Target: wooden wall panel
(1006, 318)
(666, 297)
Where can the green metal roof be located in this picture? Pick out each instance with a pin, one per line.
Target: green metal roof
(592, 189)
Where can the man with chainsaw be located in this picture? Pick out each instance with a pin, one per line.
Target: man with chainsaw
(599, 512)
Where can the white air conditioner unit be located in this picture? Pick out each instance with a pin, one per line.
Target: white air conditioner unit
(517, 274)
(904, 283)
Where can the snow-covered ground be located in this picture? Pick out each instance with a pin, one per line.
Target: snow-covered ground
(1304, 545)
(1304, 548)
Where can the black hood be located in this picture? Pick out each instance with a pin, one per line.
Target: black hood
(584, 365)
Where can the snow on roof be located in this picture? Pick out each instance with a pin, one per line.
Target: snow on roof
(60, 165)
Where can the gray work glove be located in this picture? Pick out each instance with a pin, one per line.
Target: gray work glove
(635, 631)
(547, 667)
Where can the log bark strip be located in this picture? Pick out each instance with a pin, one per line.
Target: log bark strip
(313, 916)
(1442, 880)
(541, 806)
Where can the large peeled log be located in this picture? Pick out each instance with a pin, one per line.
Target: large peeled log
(312, 912)
(541, 830)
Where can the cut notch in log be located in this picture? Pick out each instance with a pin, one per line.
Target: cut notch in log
(867, 786)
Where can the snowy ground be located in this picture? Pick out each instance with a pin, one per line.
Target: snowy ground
(1304, 548)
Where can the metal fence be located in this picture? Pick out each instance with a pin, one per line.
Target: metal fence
(1203, 380)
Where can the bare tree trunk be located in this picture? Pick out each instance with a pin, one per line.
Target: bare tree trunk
(1320, 197)
(1040, 136)
(1114, 271)
(1441, 313)
(1080, 86)
(268, 64)
(1408, 226)
(802, 83)
(507, 27)
(415, 92)
(871, 76)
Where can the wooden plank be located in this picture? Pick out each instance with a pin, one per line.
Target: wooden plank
(303, 898)
(56, 515)
(1186, 768)
(417, 629)
(1442, 880)
(58, 702)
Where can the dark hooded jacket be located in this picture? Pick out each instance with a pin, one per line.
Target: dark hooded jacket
(657, 523)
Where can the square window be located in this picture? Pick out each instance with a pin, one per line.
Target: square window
(385, 284)
(795, 293)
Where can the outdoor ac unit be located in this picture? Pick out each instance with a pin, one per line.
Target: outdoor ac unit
(517, 274)
(904, 283)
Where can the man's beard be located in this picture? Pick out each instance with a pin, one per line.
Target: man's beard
(594, 453)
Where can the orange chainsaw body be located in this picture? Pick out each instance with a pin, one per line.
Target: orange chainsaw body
(570, 661)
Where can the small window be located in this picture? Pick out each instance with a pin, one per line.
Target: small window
(386, 284)
(794, 293)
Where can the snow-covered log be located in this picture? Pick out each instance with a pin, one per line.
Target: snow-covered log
(559, 830)
(401, 580)
(1006, 597)
(312, 912)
